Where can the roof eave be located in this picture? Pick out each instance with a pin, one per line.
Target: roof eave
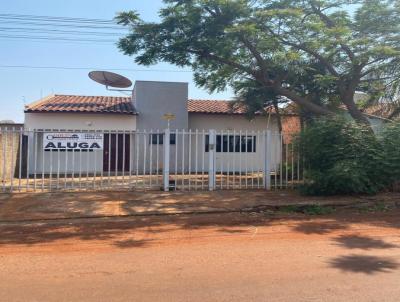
(83, 112)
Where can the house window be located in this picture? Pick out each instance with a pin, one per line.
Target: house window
(158, 139)
(233, 143)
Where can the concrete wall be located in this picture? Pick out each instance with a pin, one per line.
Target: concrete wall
(9, 153)
(234, 161)
(54, 161)
(80, 121)
(187, 154)
(377, 124)
(154, 99)
(231, 122)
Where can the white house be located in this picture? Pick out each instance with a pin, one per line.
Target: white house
(130, 130)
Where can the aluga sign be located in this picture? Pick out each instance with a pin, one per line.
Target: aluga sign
(72, 141)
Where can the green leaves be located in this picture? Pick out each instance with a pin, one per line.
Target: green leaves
(128, 18)
(317, 48)
(344, 158)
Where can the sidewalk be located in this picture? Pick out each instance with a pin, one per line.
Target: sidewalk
(47, 206)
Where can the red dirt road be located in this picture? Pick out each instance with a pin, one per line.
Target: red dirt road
(219, 257)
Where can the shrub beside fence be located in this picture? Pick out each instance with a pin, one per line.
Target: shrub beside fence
(342, 157)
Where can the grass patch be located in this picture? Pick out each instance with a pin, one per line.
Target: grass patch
(378, 207)
(307, 209)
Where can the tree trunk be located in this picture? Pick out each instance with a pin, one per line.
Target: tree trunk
(303, 102)
(356, 114)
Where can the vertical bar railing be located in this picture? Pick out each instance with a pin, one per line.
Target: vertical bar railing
(157, 155)
(20, 161)
(166, 150)
(211, 160)
(4, 147)
(203, 152)
(245, 159)
(183, 160)
(12, 161)
(136, 158)
(176, 158)
(196, 158)
(267, 160)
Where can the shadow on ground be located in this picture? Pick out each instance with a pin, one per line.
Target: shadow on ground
(364, 264)
(319, 228)
(362, 242)
(112, 229)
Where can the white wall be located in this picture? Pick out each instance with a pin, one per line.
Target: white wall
(154, 99)
(55, 162)
(93, 161)
(228, 124)
(46, 161)
(231, 122)
(80, 121)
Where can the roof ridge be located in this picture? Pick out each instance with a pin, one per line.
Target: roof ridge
(92, 96)
(209, 100)
(81, 103)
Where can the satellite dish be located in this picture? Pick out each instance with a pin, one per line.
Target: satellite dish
(110, 79)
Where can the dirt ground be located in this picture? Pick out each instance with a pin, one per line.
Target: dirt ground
(29, 206)
(351, 255)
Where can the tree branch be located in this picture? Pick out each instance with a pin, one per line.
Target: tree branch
(330, 24)
(316, 109)
(207, 55)
(303, 102)
(304, 48)
(260, 60)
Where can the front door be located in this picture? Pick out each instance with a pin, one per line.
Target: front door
(116, 155)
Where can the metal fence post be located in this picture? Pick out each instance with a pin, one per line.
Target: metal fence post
(267, 160)
(211, 160)
(166, 145)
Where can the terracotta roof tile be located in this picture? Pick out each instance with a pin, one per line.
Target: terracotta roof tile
(214, 106)
(123, 105)
(218, 107)
(382, 110)
(83, 104)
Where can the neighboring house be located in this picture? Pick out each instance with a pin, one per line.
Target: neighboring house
(376, 115)
(9, 125)
(384, 110)
(143, 114)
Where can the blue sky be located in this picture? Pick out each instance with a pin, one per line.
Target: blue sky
(19, 85)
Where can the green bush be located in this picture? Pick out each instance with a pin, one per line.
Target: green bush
(342, 157)
(391, 145)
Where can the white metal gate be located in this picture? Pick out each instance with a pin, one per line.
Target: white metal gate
(62, 160)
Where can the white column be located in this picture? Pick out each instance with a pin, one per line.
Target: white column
(166, 145)
(267, 160)
(211, 160)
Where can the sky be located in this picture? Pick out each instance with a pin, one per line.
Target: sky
(20, 86)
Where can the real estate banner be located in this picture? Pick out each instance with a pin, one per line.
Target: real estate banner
(73, 141)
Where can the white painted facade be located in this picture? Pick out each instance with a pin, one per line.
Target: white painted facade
(55, 162)
(80, 121)
(238, 125)
(152, 100)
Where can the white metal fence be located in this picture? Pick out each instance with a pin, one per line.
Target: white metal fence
(62, 160)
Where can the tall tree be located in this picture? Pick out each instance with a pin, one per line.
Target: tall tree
(316, 53)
